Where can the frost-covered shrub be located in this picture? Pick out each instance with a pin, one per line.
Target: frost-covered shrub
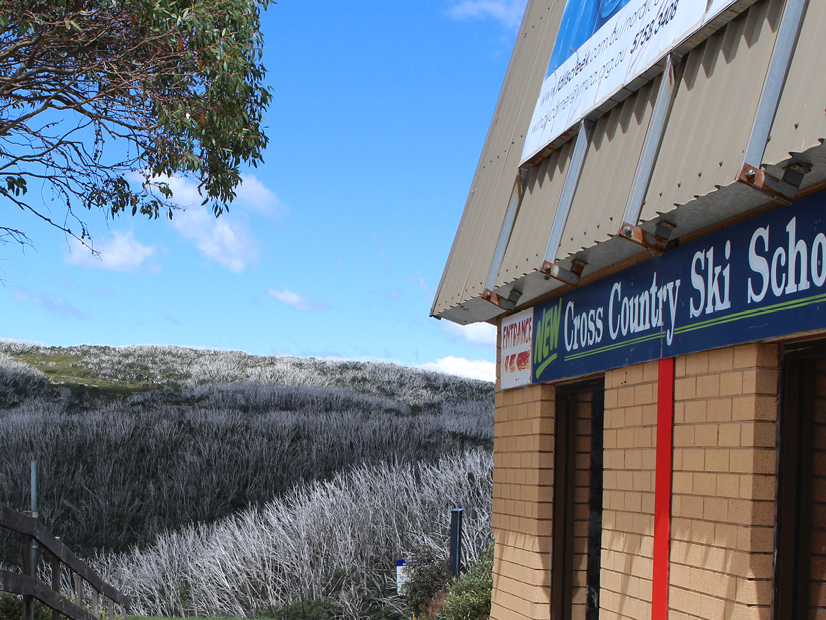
(181, 455)
(334, 541)
(121, 472)
(119, 467)
(18, 381)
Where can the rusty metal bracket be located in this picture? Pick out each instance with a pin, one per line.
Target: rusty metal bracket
(784, 189)
(568, 276)
(654, 242)
(508, 303)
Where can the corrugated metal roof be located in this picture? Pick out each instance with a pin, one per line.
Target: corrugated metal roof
(608, 173)
(800, 122)
(536, 216)
(706, 137)
(470, 258)
(699, 160)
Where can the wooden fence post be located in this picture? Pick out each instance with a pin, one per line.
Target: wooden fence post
(55, 562)
(78, 590)
(30, 570)
(27, 582)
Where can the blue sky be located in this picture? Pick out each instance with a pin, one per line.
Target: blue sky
(336, 244)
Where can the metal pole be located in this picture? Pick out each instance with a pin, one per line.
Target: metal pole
(34, 489)
(35, 515)
(773, 84)
(30, 548)
(653, 140)
(455, 541)
(566, 199)
(505, 232)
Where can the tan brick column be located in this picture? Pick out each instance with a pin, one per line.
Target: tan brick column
(724, 483)
(522, 502)
(628, 492)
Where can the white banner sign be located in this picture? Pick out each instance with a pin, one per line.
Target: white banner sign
(602, 46)
(517, 335)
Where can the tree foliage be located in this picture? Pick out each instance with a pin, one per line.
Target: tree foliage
(103, 100)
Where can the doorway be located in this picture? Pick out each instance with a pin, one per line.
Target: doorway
(578, 483)
(800, 537)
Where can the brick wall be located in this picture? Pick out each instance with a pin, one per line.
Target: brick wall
(723, 491)
(628, 496)
(724, 483)
(523, 502)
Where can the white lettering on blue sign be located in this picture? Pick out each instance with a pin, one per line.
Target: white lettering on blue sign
(639, 313)
(762, 278)
(708, 285)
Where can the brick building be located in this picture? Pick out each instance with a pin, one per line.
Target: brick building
(646, 227)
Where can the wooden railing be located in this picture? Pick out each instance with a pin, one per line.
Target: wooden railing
(28, 584)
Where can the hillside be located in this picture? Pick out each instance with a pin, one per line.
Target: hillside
(136, 441)
(141, 368)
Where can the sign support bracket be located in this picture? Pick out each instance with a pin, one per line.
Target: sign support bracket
(656, 242)
(549, 265)
(567, 276)
(752, 172)
(502, 245)
(653, 140)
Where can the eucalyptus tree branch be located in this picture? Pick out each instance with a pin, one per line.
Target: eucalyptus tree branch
(177, 82)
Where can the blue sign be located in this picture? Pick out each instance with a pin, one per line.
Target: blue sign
(762, 278)
(580, 21)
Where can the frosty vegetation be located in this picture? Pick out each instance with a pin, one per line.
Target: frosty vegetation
(219, 483)
(18, 380)
(169, 366)
(334, 541)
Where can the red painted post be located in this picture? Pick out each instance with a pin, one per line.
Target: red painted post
(662, 493)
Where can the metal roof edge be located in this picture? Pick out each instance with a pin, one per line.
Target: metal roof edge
(693, 219)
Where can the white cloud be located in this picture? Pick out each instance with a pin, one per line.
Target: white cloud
(224, 239)
(419, 281)
(184, 192)
(472, 369)
(121, 253)
(509, 12)
(50, 302)
(253, 195)
(220, 239)
(296, 301)
(480, 334)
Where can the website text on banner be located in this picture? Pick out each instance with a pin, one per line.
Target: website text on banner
(602, 46)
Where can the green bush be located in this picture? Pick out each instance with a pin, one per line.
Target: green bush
(328, 610)
(304, 610)
(11, 608)
(468, 597)
(427, 579)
